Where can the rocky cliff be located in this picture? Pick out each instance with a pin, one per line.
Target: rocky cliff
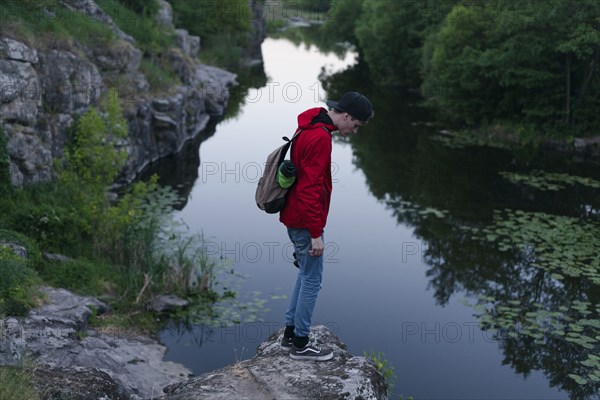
(43, 90)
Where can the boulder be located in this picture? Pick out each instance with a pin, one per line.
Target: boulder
(272, 374)
(55, 337)
(75, 384)
(167, 303)
(11, 49)
(165, 14)
(17, 249)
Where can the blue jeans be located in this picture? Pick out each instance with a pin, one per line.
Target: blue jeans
(308, 283)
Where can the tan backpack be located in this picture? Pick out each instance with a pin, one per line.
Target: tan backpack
(270, 197)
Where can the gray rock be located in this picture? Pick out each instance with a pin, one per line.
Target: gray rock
(167, 303)
(11, 49)
(119, 56)
(182, 38)
(194, 46)
(56, 257)
(54, 335)
(70, 84)
(582, 144)
(17, 249)
(28, 156)
(75, 384)
(165, 14)
(188, 43)
(272, 374)
(19, 90)
(214, 83)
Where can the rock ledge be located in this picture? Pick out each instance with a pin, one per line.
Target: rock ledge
(272, 374)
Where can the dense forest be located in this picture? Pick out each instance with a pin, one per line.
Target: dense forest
(528, 65)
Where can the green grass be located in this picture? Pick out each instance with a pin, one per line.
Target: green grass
(91, 278)
(58, 27)
(153, 39)
(159, 77)
(150, 37)
(15, 384)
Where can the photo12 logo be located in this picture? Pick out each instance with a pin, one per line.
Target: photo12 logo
(265, 252)
(238, 172)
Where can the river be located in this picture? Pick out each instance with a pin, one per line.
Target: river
(417, 263)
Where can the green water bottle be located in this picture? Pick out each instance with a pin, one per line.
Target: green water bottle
(286, 174)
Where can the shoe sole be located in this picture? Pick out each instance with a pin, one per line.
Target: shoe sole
(325, 357)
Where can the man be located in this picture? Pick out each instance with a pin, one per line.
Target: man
(306, 209)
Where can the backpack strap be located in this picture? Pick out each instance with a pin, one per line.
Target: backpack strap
(298, 134)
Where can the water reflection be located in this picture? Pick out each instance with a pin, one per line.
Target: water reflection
(529, 259)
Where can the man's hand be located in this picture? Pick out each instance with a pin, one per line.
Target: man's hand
(317, 247)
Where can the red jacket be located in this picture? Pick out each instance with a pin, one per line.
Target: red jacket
(307, 203)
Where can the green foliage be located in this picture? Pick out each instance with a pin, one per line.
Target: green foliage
(147, 8)
(389, 36)
(208, 18)
(309, 5)
(224, 26)
(90, 278)
(47, 23)
(484, 69)
(93, 156)
(159, 77)
(15, 384)
(384, 367)
(562, 246)
(549, 181)
(137, 18)
(19, 239)
(342, 17)
(16, 286)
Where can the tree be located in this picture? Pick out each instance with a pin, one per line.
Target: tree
(341, 19)
(391, 33)
(525, 62)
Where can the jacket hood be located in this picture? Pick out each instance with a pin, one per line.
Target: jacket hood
(315, 117)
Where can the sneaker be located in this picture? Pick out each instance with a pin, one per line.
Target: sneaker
(311, 352)
(287, 342)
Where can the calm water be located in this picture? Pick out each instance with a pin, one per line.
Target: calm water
(396, 275)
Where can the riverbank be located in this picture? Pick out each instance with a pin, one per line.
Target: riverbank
(587, 148)
(68, 358)
(85, 84)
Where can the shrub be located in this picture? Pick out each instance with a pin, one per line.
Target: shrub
(15, 287)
